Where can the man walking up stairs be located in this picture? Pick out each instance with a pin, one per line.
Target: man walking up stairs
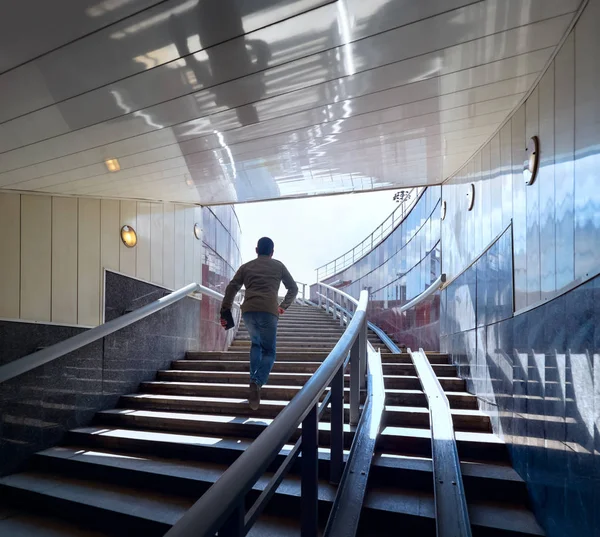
(262, 278)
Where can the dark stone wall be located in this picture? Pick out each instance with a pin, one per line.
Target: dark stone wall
(38, 407)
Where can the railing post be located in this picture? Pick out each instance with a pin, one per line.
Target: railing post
(341, 312)
(234, 526)
(337, 427)
(310, 477)
(362, 345)
(319, 292)
(354, 383)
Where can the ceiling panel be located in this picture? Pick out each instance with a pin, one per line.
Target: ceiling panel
(221, 102)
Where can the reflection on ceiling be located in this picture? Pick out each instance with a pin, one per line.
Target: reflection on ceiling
(211, 102)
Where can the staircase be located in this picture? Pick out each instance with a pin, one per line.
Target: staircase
(137, 468)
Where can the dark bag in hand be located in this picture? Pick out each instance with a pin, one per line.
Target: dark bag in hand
(226, 315)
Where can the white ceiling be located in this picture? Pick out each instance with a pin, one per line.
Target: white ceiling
(221, 102)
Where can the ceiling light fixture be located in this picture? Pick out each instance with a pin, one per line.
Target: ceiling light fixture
(128, 236)
(112, 165)
(532, 163)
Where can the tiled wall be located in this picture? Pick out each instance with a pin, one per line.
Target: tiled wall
(221, 239)
(398, 270)
(520, 318)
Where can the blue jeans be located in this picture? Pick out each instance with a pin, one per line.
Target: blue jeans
(262, 327)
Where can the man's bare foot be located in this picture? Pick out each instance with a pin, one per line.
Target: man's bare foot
(254, 396)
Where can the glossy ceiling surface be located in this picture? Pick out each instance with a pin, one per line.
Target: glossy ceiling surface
(206, 101)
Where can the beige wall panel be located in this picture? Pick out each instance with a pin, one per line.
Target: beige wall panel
(188, 240)
(128, 256)
(89, 274)
(143, 241)
(179, 246)
(110, 237)
(156, 243)
(169, 246)
(36, 258)
(10, 255)
(64, 260)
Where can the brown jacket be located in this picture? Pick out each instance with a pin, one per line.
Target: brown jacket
(262, 278)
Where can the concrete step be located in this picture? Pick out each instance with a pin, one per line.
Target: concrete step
(472, 446)
(290, 346)
(482, 480)
(209, 405)
(237, 391)
(115, 508)
(414, 512)
(203, 424)
(154, 474)
(297, 338)
(399, 397)
(464, 420)
(303, 355)
(243, 366)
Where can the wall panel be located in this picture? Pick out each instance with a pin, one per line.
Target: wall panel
(64, 260)
(546, 186)
(188, 242)
(169, 246)
(532, 194)
(109, 234)
(179, 246)
(519, 204)
(36, 258)
(127, 256)
(156, 243)
(198, 246)
(564, 169)
(89, 284)
(10, 255)
(143, 242)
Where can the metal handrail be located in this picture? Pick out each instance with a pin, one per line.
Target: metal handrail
(43, 356)
(345, 512)
(452, 516)
(376, 237)
(435, 286)
(221, 508)
(451, 512)
(301, 298)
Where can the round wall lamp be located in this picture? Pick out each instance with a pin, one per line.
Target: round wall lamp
(128, 236)
(197, 231)
(470, 197)
(532, 163)
(443, 210)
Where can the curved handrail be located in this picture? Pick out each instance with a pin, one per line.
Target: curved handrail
(451, 512)
(43, 356)
(221, 500)
(345, 512)
(339, 292)
(370, 241)
(435, 286)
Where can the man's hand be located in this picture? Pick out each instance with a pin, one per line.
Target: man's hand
(281, 311)
(223, 323)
